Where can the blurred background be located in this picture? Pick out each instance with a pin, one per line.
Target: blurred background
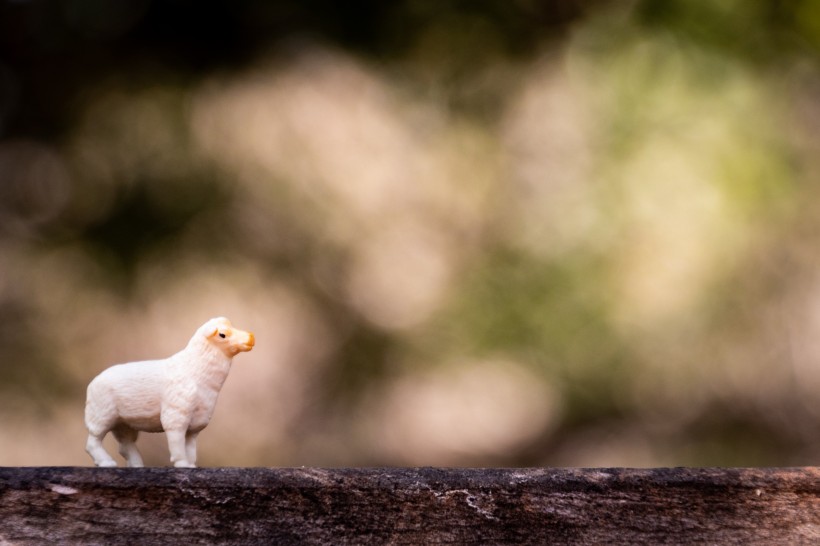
(573, 233)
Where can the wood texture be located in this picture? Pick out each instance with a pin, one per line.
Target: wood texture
(408, 506)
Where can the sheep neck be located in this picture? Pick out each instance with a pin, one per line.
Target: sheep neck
(203, 364)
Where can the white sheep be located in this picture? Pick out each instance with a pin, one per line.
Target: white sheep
(176, 395)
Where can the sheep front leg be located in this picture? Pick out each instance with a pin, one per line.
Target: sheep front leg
(176, 445)
(190, 447)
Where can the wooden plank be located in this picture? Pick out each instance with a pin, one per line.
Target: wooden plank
(408, 506)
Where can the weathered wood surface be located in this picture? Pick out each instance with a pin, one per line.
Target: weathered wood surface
(408, 506)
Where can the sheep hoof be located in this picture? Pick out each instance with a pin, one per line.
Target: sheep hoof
(184, 464)
(107, 464)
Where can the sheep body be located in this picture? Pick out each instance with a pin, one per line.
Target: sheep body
(176, 395)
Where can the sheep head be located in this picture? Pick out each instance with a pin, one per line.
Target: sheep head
(221, 333)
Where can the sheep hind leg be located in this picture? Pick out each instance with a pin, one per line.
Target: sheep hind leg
(94, 447)
(127, 437)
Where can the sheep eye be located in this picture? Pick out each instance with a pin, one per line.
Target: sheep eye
(222, 335)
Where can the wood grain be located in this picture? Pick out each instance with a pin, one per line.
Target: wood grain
(408, 506)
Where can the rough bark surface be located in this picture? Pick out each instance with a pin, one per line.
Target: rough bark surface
(408, 506)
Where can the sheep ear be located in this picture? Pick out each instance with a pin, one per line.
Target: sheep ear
(212, 334)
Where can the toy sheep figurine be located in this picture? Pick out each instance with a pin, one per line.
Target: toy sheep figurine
(176, 395)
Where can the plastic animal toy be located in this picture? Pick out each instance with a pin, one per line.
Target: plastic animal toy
(176, 395)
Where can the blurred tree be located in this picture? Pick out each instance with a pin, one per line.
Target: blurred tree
(610, 202)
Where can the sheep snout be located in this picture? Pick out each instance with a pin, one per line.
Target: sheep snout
(233, 341)
(249, 342)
